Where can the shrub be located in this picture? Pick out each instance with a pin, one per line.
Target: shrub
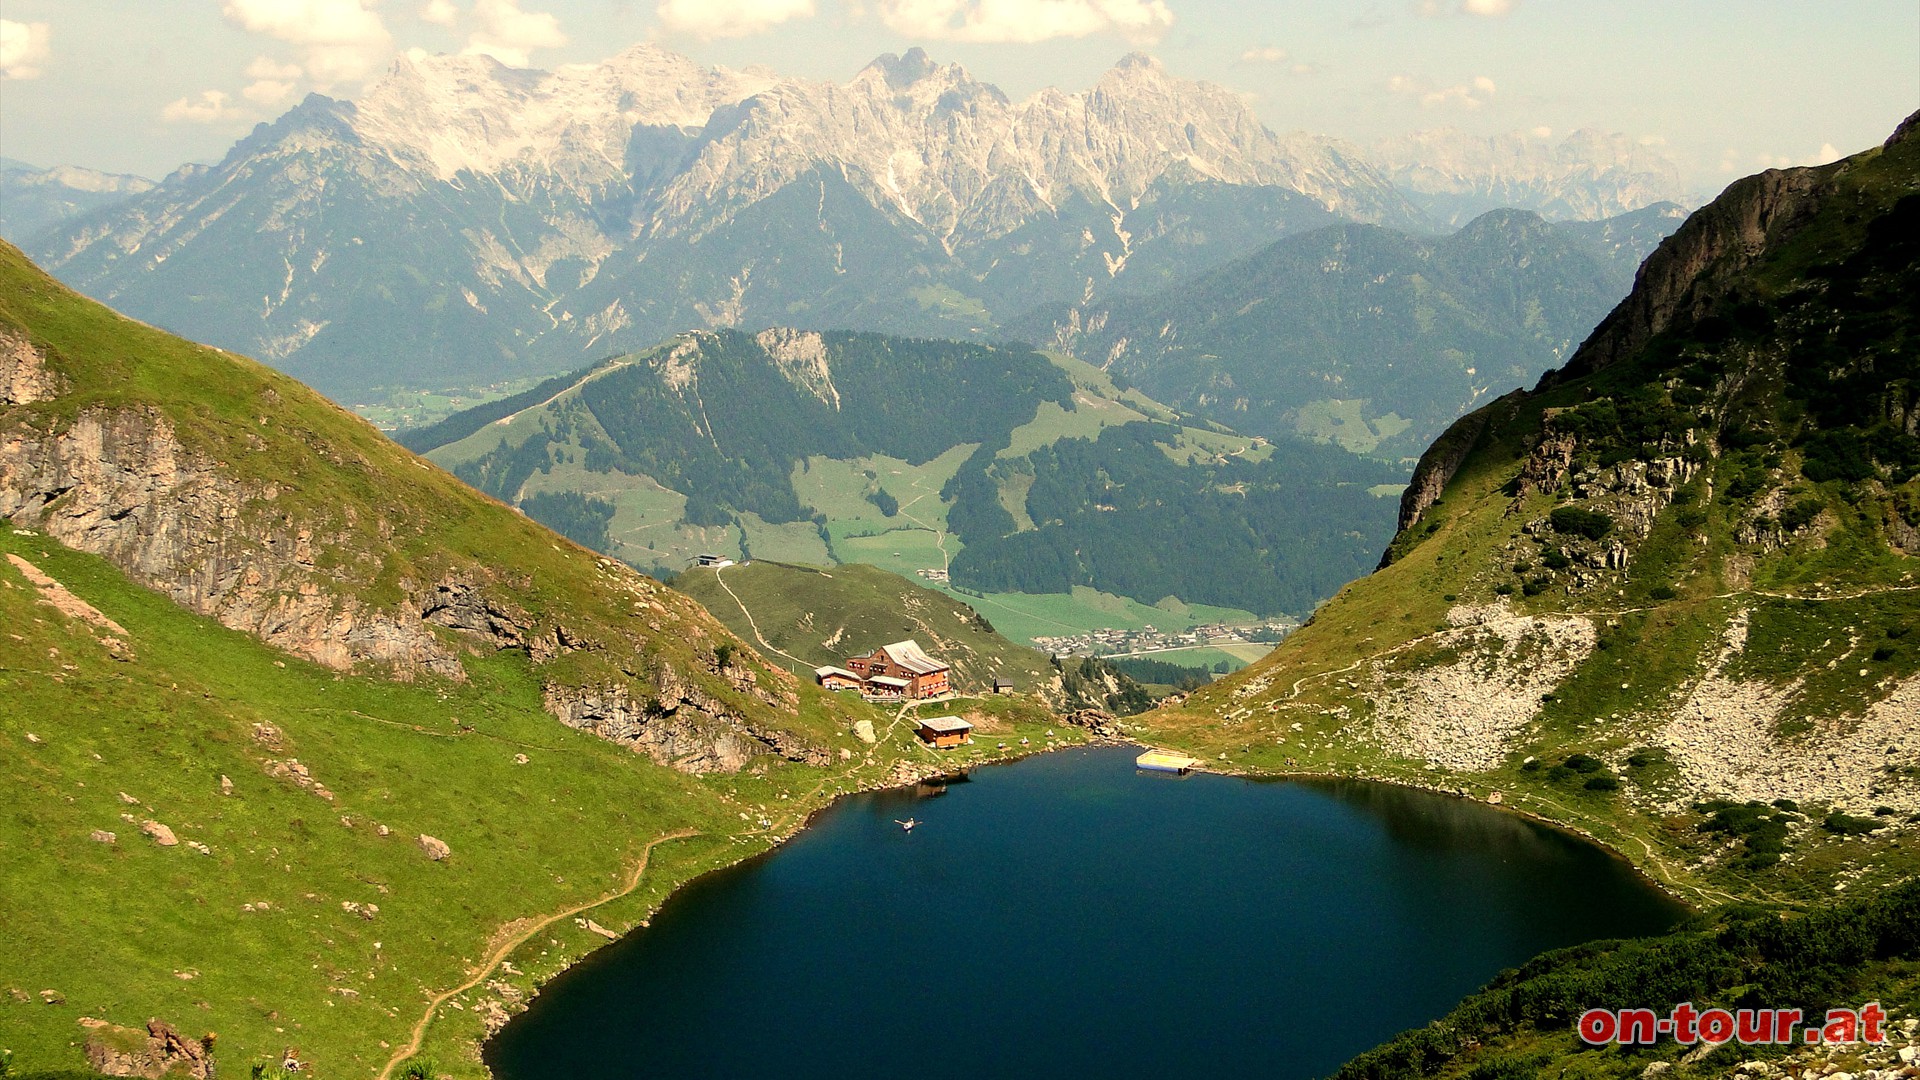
(1691, 517)
(1584, 763)
(1801, 513)
(1662, 592)
(1602, 782)
(1504, 589)
(1885, 652)
(1837, 455)
(1536, 586)
(1843, 824)
(1556, 559)
(1578, 521)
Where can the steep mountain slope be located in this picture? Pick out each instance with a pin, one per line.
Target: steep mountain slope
(1005, 469)
(34, 200)
(244, 496)
(1588, 175)
(1668, 595)
(812, 616)
(312, 746)
(465, 220)
(1367, 337)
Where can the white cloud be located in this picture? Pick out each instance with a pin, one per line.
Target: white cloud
(1467, 95)
(1826, 155)
(1434, 9)
(440, 13)
(1543, 132)
(1265, 54)
(273, 82)
(211, 107)
(509, 34)
(1026, 21)
(730, 18)
(345, 39)
(24, 47)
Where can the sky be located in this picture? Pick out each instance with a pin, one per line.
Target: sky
(1722, 87)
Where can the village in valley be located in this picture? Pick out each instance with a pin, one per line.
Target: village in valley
(1110, 641)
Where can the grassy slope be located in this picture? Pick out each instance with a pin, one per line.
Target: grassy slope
(112, 926)
(116, 928)
(798, 609)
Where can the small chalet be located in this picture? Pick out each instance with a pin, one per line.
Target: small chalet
(924, 676)
(941, 732)
(718, 562)
(834, 678)
(1003, 686)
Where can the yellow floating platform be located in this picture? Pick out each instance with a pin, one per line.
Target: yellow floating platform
(1161, 761)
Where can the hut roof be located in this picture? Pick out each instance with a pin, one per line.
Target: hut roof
(908, 654)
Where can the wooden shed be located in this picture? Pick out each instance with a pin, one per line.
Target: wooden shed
(834, 678)
(944, 731)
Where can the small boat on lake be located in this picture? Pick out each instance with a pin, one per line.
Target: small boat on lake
(907, 825)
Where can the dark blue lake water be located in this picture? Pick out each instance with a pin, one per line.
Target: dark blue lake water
(1065, 916)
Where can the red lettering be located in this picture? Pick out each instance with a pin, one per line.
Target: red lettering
(1597, 1026)
(1871, 1017)
(1638, 1026)
(1716, 1026)
(1842, 1027)
(1755, 1025)
(1684, 1018)
(1784, 1021)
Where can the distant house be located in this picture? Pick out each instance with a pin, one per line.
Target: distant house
(1003, 686)
(834, 678)
(710, 559)
(941, 732)
(924, 676)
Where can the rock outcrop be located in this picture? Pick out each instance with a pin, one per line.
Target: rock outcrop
(157, 1051)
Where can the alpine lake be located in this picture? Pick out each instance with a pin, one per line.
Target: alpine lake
(1068, 916)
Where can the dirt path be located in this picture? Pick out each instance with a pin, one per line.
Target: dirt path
(506, 949)
(754, 626)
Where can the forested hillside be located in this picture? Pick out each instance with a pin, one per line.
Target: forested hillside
(999, 468)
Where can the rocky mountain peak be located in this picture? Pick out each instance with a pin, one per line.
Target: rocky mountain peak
(1139, 63)
(903, 71)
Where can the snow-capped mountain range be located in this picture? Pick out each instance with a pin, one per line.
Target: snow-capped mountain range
(466, 221)
(1587, 175)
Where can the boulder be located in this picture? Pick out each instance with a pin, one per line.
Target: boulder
(226, 785)
(101, 836)
(434, 849)
(160, 833)
(863, 730)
